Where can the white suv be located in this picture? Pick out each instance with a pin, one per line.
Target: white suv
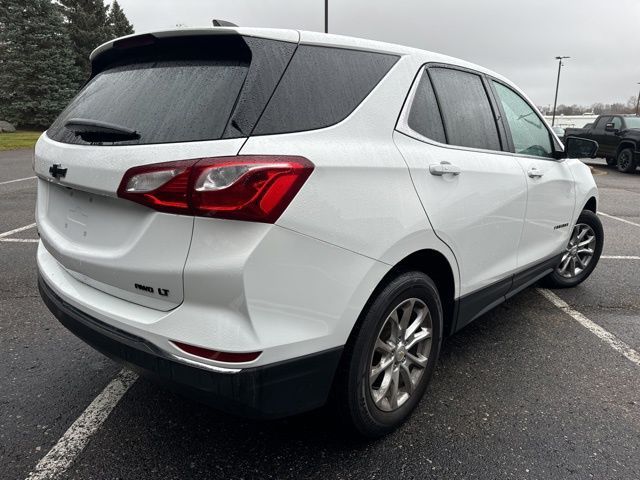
(270, 219)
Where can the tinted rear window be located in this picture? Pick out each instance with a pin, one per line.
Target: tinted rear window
(424, 116)
(163, 102)
(181, 91)
(466, 111)
(321, 87)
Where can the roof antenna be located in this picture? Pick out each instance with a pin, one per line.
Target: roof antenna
(222, 23)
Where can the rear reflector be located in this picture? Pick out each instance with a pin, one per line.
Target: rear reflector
(215, 355)
(255, 188)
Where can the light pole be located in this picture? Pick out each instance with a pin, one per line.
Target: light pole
(326, 16)
(555, 101)
(638, 102)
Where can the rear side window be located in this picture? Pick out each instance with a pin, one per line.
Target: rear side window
(182, 90)
(321, 87)
(466, 111)
(424, 116)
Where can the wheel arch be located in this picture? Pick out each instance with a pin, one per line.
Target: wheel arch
(626, 144)
(591, 205)
(432, 263)
(437, 267)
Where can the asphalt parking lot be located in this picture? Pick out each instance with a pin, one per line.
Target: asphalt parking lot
(527, 391)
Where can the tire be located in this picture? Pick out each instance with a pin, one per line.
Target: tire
(354, 396)
(611, 161)
(626, 160)
(570, 276)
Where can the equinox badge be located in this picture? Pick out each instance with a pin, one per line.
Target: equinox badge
(57, 171)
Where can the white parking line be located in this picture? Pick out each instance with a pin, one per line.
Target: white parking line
(609, 338)
(16, 230)
(17, 180)
(63, 453)
(619, 219)
(20, 240)
(620, 257)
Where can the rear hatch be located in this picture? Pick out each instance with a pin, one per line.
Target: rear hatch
(152, 98)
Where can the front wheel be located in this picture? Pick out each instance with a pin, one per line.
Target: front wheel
(390, 358)
(626, 160)
(581, 254)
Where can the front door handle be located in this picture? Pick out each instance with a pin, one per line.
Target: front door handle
(443, 168)
(535, 172)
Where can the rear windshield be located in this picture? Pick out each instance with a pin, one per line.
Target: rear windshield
(211, 89)
(163, 101)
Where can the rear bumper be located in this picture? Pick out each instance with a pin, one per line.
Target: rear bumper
(271, 391)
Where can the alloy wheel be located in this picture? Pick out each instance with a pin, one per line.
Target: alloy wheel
(624, 160)
(400, 354)
(579, 251)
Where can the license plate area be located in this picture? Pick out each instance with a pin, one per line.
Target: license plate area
(93, 220)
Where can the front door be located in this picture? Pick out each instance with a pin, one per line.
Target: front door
(550, 185)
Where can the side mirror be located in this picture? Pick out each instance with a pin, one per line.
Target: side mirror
(610, 127)
(576, 147)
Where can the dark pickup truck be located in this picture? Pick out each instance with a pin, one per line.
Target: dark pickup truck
(618, 137)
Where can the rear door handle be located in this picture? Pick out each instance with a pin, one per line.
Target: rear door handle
(443, 168)
(535, 172)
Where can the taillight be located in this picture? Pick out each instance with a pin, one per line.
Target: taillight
(255, 188)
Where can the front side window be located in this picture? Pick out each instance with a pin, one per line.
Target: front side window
(528, 131)
(617, 123)
(466, 110)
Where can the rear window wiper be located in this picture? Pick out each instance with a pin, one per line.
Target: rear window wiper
(97, 131)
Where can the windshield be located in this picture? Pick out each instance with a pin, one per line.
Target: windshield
(632, 122)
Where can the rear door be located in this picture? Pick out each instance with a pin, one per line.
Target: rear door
(550, 184)
(185, 97)
(474, 193)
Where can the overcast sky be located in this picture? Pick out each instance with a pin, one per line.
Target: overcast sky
(516, 38)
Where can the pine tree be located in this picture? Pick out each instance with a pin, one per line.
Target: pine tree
(87, 27)
(36, 63)
(119, 25)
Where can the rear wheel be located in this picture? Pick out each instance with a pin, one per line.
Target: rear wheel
(626, 160)
(581, 254)
(390, 358)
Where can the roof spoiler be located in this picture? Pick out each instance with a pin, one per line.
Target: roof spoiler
(176, 45)
(222, 23)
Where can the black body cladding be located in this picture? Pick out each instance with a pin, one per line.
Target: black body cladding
(276, 390)
(473, 305)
